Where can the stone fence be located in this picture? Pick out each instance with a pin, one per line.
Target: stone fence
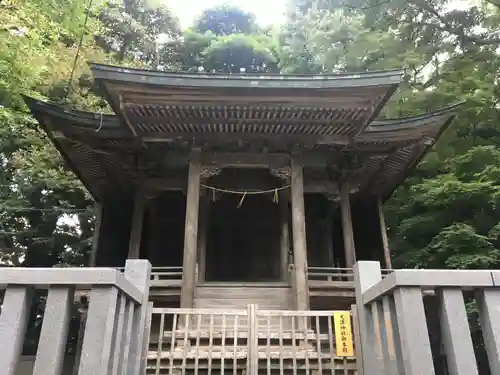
(394, 324)
(116, 332)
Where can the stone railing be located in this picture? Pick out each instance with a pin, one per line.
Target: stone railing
(396, 328)
(116, 331)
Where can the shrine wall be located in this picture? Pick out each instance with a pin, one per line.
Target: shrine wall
(114, 233)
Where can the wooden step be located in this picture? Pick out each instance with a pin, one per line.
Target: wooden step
(219, 333)
(240, 352)
(336, 367)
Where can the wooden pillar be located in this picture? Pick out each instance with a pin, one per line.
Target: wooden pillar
(202, 239)
(330, 256)
(299, 236)
(137, 222)
(191, 231)
(285, 237)
(383, 234)
(95, 236)
(347, 232)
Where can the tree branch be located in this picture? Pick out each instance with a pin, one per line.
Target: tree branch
(447, 27)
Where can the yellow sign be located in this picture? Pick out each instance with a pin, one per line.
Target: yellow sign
(343, 333)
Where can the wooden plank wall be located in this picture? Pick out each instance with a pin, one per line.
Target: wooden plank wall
(114, 233)
(239, 297)
(367, 232)
(163, 238)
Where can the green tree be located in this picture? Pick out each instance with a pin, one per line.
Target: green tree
(226, 20)
(459, 61)
(439, 217)
(134, 30)
(224, 39)
(36, 56)
(47, 216)
(451, 220)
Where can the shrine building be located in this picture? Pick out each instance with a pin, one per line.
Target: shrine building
(241, 188)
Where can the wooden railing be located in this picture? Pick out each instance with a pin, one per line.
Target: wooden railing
(314, 273)
(335, 274)
(330, 273)
(163, 273)
(251, 340)
(166, 273)
(174, 274)
(115, 337)
(165, 280)
(396, 327)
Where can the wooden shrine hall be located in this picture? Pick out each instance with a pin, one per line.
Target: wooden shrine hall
(242, 188)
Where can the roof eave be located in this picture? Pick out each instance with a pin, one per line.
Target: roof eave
(440, 120)
(268, 81)
(35, 106)
(410, 168)
(97, 121)
(91, 120)
(402, 123)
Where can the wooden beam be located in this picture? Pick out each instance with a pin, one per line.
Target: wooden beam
(179, 183)
(211, 121)
(124, 115)
(169, 137)
(321, 187)
(383, 234)
(166, 183)
(285, 236)
(347, 231)
(137, 222)
(184, 100)
(130, 142)
(191, 232)
(95, 235)
(266, 160)
(240, 159)
(202, 238)
(235, 159)
(329, 249)
(299, 236)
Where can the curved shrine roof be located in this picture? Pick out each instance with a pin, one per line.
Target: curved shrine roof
(268, 80)
(102, 149)
(241, 120)
(335, 105)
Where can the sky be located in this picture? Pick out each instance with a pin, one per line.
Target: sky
(266, 11)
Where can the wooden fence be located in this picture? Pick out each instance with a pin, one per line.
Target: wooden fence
(250, 340)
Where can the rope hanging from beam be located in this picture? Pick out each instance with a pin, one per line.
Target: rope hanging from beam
(244, 193)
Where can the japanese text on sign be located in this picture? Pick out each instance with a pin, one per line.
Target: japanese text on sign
(343, 334)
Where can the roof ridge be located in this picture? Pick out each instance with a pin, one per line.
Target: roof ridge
(404, 122)
(212, 75)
